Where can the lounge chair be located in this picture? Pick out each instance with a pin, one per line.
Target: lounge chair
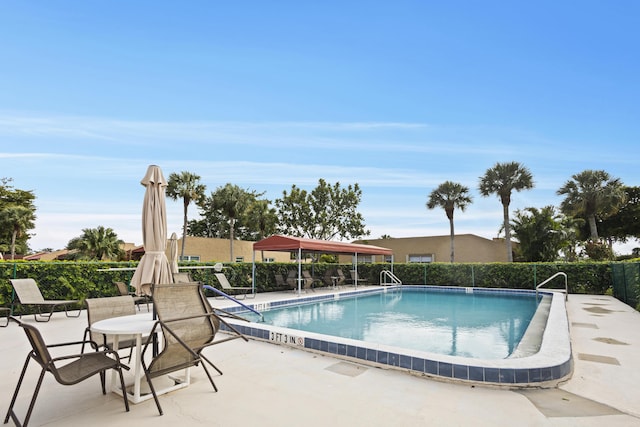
(67, 370)
(334, 278)
(189, 325)
(7, 312)
(107, 308)
(280, 281)
(233, 290)
(28, 293)
(308, 281)
(356, 279)
(292, 280)
(123, 290)
(182, 278)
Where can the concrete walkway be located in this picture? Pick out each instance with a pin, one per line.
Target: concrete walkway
(269, 385)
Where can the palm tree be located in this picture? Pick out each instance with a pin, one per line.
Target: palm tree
(449, 196)
(18, 219)
(185, 186)
(502, 179)
(263, 218)
(232, 201)
(541, 234)
(97, 243)
(591, 193)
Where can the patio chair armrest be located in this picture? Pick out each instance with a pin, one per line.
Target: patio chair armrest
(63, 344)
(176, 319)
(80, 355)
(149, 338)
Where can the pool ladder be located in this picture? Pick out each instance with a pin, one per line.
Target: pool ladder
(393, 279)
(566, 287)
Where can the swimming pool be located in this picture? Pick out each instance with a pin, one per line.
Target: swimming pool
(542, 357)
(468, 324)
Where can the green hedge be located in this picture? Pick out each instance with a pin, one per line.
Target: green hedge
(80, 280)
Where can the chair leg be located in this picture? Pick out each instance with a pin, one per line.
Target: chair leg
(153, 390)
(209, 375)
(5, 310)
(10, 412)
(33, 399)
(124, 390)
(66, 312)
(45, 316)
(214, 366)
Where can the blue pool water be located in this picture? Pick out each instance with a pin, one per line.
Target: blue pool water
(472, 325)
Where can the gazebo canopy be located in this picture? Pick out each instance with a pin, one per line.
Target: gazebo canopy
(286, 243)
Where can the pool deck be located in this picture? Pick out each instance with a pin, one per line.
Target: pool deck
(270, 385)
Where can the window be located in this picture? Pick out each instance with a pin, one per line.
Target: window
(190, 258)
(388, 258)
(269, 260)
(364, 258)
(239, 259)
(420, 258)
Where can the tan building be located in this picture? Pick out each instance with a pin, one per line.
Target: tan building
(468, 248)
(206, 249)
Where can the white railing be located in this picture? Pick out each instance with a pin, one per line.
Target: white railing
(386, 274)
(566, 286)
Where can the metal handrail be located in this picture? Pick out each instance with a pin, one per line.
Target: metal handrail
(386, 273)
(566, 286)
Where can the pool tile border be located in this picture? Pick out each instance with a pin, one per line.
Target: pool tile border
(535, 370)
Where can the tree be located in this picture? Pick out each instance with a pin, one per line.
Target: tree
(10, 197)
(232, 202)
(449, 196)
(18, 219)
(250, 224)
(502, 179)
(263, 217)
(592, 193)
(97, 244)
(625, 223)
(327, 212)
(186, 186)
(541, 234)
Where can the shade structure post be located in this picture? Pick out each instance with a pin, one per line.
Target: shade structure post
(299, 271)
(253, 273)
(356, 269)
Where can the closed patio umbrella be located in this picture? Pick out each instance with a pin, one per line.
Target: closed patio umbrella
(173, 253)
(154, 266)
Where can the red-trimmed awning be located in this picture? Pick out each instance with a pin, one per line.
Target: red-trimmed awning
(285, 243)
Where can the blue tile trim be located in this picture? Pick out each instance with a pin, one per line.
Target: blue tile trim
(461, 372)
(404, 361)
(431, 367)
(445, 369)
(416, 364)
(476, 373)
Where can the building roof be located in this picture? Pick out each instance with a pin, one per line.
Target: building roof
(287, 243)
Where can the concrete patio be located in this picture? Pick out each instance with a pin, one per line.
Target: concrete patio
(270, 385)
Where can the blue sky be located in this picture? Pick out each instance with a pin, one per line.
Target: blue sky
(395, 96)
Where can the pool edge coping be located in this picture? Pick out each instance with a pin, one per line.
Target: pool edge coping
(549, 366)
